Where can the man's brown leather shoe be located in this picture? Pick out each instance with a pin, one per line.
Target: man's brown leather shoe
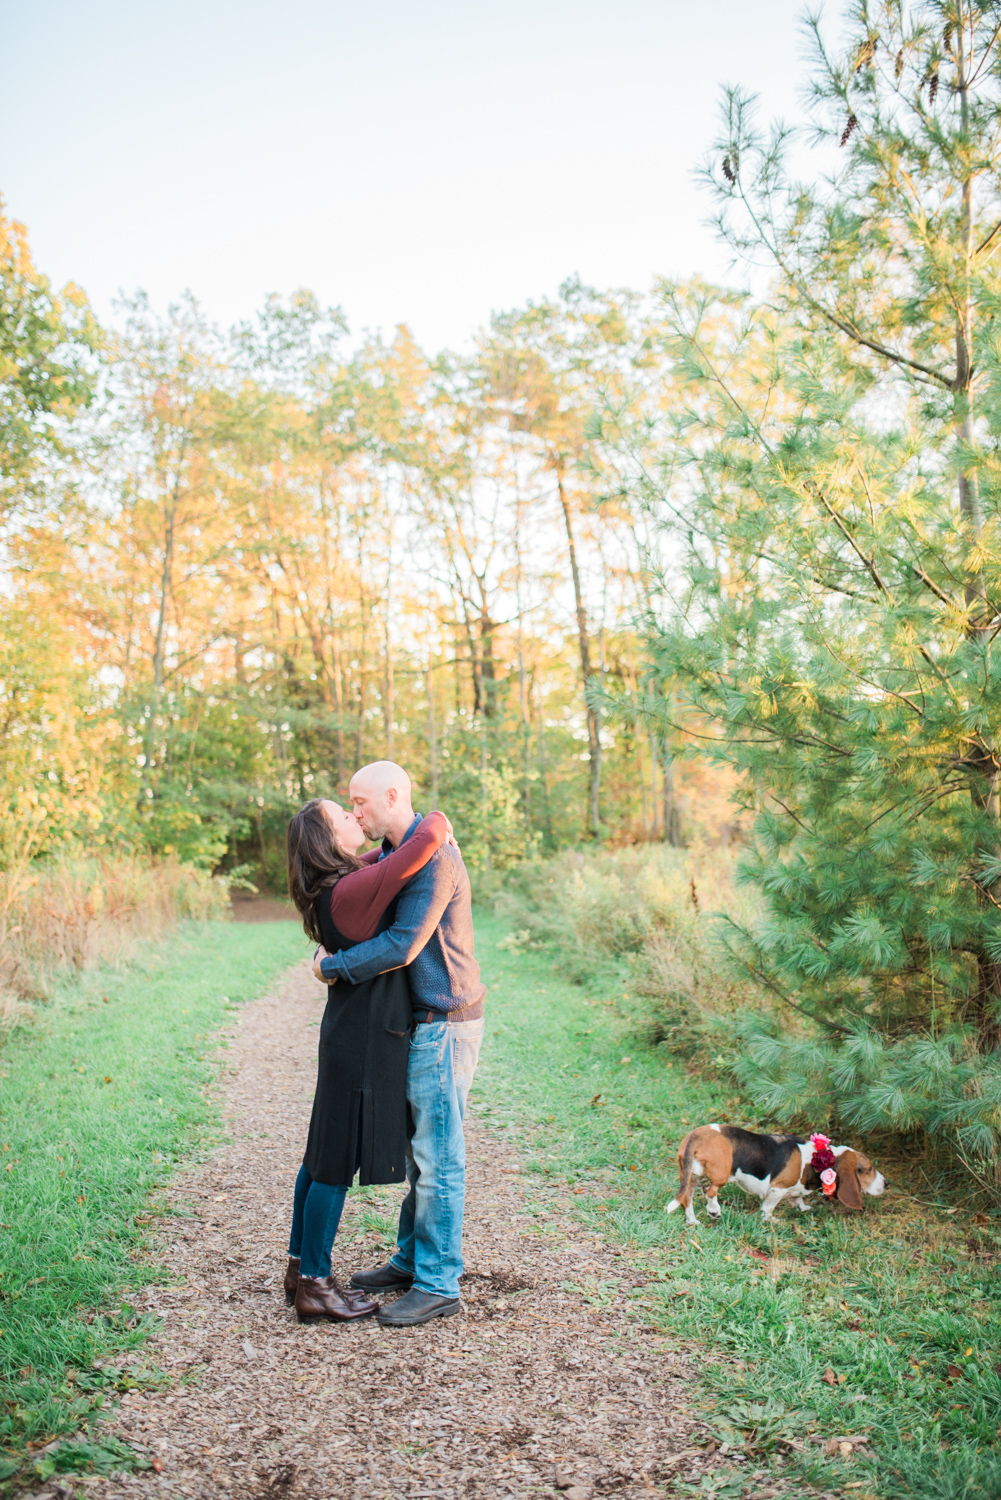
(291, 1279)
(387, 1278)
(319, 1297)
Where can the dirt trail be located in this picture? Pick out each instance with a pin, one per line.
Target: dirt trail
(531, 1389)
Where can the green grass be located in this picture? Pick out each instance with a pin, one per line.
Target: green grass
(886, 1301)
(99, 1099)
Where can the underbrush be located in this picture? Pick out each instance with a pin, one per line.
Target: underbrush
(649, 923)
(99, 1100)
(68, 914)
(642, 921)
(841, 1354)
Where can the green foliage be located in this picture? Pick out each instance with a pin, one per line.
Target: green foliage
(941, 1085)
(486, 805)
(265, 560)
(827, 462)
(899, 1303)
(46, 373)
(99, 1099)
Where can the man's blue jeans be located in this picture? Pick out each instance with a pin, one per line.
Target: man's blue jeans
(443, 1058)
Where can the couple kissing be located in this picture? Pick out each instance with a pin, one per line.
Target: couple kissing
(399, 1043)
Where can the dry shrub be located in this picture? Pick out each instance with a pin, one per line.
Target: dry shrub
(650, 910)
(70, 913)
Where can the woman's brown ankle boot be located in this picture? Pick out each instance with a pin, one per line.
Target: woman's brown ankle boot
(291, 1279)
(318, 1297)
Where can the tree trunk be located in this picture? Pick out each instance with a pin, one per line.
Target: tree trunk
(672, 816)
(159, 648)
(485, 793)
(474, 661)
(335, 647)
(389, 706)
(526, 723)
(488, 680)
(432, 738)
(362, 678)
(985, 1004)
(547, 820)
(338, 705)
(593, 722)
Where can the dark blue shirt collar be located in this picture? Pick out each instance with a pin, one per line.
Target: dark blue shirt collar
(387, 847)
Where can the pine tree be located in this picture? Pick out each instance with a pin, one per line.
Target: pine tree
(843, 580)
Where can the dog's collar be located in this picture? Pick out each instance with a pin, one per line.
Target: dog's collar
(824, 1163)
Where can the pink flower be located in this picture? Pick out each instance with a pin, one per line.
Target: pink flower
(823, 1158)
(829, 1181)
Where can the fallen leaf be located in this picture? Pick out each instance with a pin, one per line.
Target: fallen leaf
(761, 1255)
(954, 1371)
(981, 1219)
(157, 1465)
(829, 1377)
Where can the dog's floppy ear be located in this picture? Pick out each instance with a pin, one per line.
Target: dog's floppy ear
(849, 1190)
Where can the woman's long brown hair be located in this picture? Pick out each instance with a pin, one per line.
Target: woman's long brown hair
(316, 862)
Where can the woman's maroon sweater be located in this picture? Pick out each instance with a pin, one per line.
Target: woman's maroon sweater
(358, 900)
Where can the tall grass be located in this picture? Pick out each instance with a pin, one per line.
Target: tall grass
(646, 915)
(98, 1102)
(70, 913)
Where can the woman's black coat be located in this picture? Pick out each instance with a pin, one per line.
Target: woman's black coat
(359, 1115)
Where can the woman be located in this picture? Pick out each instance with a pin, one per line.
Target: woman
(359, 1120)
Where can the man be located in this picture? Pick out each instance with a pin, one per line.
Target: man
(433, 935)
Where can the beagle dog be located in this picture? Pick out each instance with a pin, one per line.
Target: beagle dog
(772, 1167)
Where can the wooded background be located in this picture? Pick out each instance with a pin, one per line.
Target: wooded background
(243, 563)
(701, 565)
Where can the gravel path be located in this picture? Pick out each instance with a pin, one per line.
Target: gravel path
(532, 1391)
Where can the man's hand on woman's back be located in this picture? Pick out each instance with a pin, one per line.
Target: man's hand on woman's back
(318, 957)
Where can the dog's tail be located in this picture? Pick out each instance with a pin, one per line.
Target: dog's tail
(686, 1155)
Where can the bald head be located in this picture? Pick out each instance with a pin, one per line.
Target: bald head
(381, 797)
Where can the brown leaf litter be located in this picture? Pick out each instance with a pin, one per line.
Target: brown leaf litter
(533, 1391)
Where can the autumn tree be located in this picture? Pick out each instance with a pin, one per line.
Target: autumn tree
(544, 370)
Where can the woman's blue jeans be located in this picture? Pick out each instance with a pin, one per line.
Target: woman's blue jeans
(316, 1213)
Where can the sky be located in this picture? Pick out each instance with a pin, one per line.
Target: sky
(425, 164)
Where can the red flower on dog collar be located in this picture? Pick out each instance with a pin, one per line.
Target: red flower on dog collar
(825, 1163)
